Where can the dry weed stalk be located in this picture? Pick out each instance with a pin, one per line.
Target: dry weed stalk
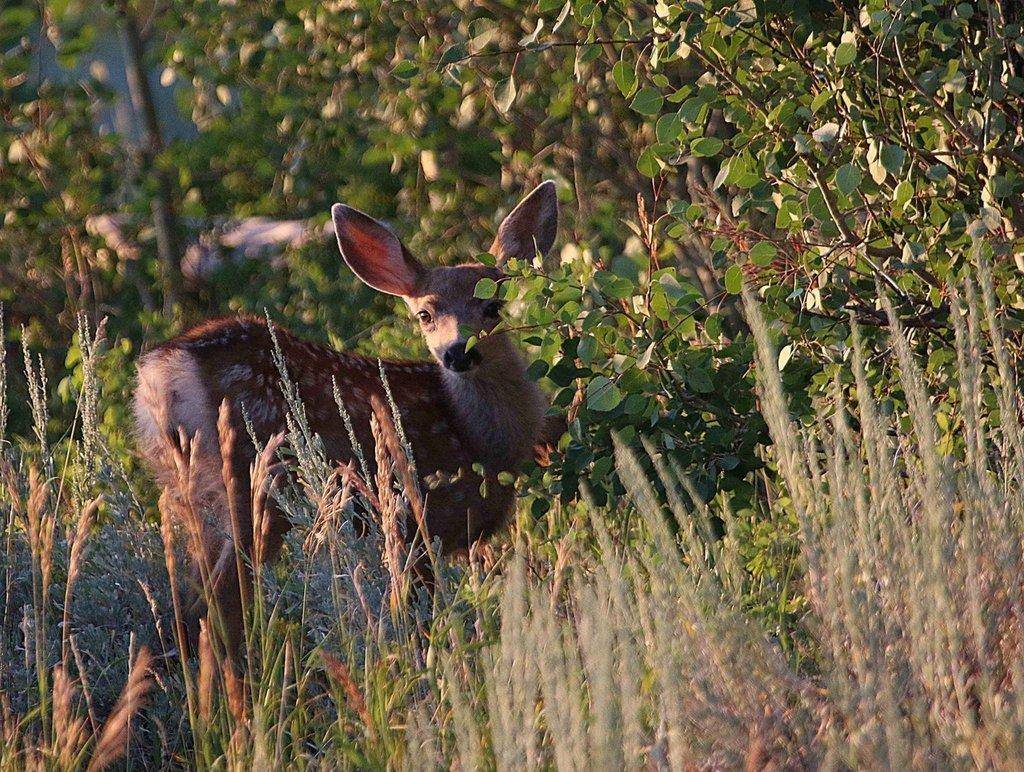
(266, 475)
(240, 535)
(331, 502)
(391, 517)
(77, 555)
(217, 672)
(171, 564)
(207, 672)
(40, 525)
(114, 736)
(212, 569)
(3, 379)
(401, 458)
(341, 675)
(68, 727)
(236, 691)
(187, 464)
(358, 574)
(86, 690)
(10, 724)
(180, 504)
(349, 476)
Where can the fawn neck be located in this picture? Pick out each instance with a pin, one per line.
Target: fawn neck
(497, 405)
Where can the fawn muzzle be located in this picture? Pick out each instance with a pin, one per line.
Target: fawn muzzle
(457, 359)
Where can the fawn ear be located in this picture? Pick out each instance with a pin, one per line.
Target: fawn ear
(374, 253)
(530, 228)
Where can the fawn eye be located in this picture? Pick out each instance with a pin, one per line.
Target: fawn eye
(493, 309)
(424, 317)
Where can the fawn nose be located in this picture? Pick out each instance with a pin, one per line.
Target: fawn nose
(456, 357)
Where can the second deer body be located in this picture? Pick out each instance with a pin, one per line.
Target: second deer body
(469, 409)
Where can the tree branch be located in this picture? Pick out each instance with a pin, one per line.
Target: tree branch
(165, 221)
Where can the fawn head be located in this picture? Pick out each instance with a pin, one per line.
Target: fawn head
(442, 299)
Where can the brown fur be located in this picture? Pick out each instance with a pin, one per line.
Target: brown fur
(490, 414)
(233, 360)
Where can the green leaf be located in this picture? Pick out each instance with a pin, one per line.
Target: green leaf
(615, 287)
(848, 178)
(826, 134)
(453, 54)
(405, 70)
(485, 288)
(537, 369)
(723, 174)
(659, 305)
(846, 53)
(668, 127)
(789, 214)
(586, 349)
(762, 253)
(706, 146)
(648, 101)
(698, 379)
(566, 10)
(645, 358)
(713, 326)
(505, 93)
(741, 174)
(892, 157)
(728, 462)
(691, 109)
(785, 354)
(820, 100)
(648, 163)
(602, 394)
(902, 195)
(624, 75)
(734, 280)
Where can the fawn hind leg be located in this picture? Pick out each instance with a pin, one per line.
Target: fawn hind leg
(233, 555)
(213, 594)
(216, 572)
(228, 556)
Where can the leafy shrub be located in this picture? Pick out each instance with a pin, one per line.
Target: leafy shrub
(617, 341)
(806, 156)
(856, 166)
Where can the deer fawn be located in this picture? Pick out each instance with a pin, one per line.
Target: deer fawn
(474, 407)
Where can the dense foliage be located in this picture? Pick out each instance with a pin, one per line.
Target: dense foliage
(830, 157)
(819, 153)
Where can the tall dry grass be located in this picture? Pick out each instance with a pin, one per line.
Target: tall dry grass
(614, 642)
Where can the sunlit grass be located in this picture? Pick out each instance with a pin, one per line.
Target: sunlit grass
(621, 642)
